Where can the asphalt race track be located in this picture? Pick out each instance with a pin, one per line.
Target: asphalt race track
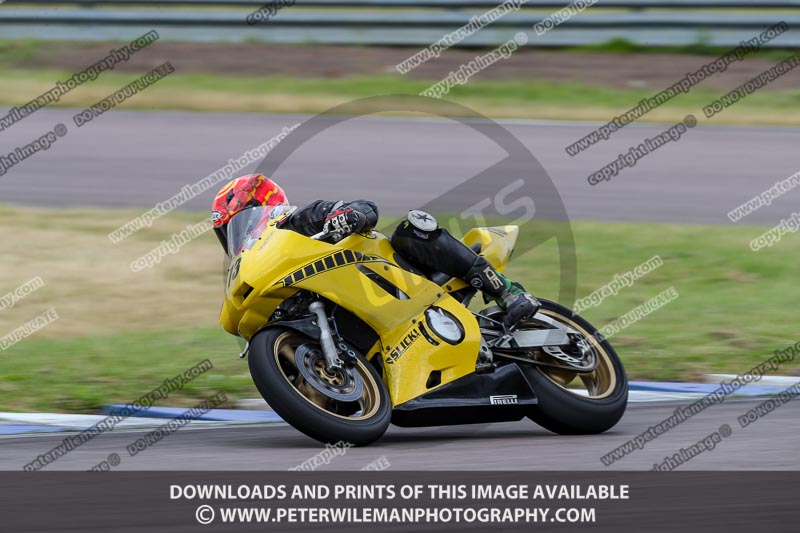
(138, 159)
(767, 444)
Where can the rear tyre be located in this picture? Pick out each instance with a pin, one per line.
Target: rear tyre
(561, 409)
(310, 399)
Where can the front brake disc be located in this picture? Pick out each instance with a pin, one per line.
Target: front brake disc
(344, 385)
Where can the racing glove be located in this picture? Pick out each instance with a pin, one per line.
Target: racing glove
(346, 221)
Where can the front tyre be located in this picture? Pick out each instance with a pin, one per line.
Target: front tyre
(350, 406)
(564, 410)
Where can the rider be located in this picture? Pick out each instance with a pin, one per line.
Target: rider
(419, 239)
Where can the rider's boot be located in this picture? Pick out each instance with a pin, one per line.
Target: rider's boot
(421, 240)
(512, 297)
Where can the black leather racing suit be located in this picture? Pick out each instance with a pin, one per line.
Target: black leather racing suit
(309, 220)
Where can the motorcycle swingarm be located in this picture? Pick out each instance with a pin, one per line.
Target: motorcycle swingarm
(549, 341)
(533, 362)
(554, 337)
(536, 338)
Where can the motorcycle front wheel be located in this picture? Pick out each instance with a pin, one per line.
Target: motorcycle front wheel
(348, 406)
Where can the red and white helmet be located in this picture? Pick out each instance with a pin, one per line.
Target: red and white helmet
(240, 194)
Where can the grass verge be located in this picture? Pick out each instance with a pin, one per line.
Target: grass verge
(511, 99)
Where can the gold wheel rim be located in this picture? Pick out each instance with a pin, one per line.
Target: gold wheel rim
(284, 352)
(599, 383)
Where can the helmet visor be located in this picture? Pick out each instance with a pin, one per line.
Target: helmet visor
(246, 227)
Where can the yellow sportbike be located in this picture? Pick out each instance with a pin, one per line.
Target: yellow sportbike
(344, 339)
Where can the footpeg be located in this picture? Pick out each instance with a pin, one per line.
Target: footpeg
(484, 368)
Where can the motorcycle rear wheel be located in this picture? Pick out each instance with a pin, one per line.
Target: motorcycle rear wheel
(561, 408)
(273, 362)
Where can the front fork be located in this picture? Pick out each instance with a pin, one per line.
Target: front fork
(332, 360)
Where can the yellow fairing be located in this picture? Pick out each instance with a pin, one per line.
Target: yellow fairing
(497, 243)
(283, 262)
(410, 360)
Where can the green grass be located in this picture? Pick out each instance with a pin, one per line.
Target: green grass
(21, 50)
(81, 374)
(516, 99)
(122, 334)
(734, 305)
(700, 47)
